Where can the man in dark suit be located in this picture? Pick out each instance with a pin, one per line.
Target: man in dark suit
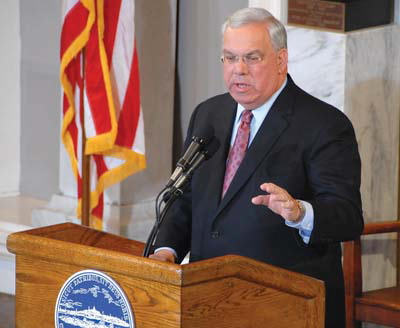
(284, 186)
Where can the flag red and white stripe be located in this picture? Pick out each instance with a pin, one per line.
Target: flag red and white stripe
(103, 31)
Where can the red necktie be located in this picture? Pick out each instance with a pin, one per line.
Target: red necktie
(237, 152)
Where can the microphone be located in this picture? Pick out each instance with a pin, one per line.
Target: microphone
(200, 138)
(205, 154)
(203, 148)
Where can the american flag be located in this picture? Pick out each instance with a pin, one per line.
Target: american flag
(108, 86)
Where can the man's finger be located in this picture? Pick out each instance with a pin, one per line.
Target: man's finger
(164, 256)
(271, 188)
(260, 200)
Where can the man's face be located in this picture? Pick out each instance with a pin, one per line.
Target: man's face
(252, 84)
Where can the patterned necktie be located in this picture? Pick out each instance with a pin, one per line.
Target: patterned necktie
(237, 152)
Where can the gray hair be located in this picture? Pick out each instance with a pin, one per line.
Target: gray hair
(276, 30)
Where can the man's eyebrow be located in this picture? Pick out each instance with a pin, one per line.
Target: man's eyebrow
(253, 52)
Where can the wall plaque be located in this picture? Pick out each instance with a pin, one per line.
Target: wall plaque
(340, 15)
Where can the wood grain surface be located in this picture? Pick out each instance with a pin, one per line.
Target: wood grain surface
(229, 291)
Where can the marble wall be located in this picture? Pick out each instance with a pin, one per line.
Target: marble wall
(359, 72)
(372, 101)
(317, 63)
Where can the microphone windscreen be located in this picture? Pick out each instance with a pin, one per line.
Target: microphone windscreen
(204, 134)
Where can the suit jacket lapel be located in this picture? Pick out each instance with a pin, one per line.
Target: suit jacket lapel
(271, 129)
(223, 132)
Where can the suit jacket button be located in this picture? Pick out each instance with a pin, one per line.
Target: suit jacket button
(215, 234)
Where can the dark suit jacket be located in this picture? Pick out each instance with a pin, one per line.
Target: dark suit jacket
(305, 146)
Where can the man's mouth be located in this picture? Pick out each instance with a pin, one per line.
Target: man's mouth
(241, 86)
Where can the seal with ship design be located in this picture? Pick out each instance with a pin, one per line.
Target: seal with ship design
(92, 299)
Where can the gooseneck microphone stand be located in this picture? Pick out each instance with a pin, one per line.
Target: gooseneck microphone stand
(164, 200)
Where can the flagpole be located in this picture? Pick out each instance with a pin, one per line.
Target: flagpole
(85, 158)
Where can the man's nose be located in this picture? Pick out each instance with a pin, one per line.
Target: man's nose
(240, 67)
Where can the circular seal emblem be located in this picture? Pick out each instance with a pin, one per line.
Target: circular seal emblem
(91, 299)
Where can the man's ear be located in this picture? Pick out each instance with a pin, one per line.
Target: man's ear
(282, 59)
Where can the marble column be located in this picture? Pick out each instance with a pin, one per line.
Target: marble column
(10, 103)
(10, 130)
(359, 72)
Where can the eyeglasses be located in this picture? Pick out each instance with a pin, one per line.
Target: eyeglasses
(249, 59)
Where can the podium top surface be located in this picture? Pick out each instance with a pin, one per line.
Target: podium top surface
(88, 248)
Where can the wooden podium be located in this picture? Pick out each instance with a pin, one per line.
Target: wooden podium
(228, 291)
